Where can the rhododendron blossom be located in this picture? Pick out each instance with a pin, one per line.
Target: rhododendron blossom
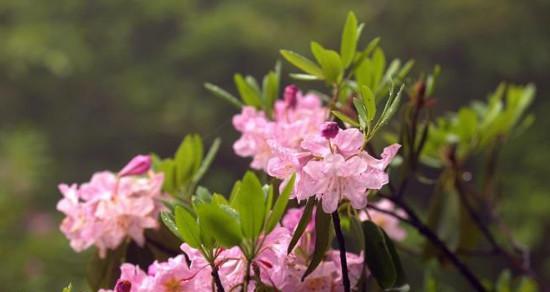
(338, 168)
(329, 163)
(294, 118)
(110, 208)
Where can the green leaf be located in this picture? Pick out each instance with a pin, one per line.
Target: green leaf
(361, 112)
(250, 204)
(305, 77)
(187, 227)
(391, 107)
(268, 189)
(405, 70)
(168, 220)
(167, 167)
(69, 288)
(344, 118)
(219, 92)
(219, 199)
(234, 191)
(348, 43)
(401, 280)
(504, 282)
(270, 89)
(527, 285)
(303, 63)
(378, 257)
(363, 73)
(302, 224)
(184, 159)
(370, 102)
(203, 196)
(207, 161)
(372, 45)
(379, 66)
(330, 62)
(280, 205)
(248, 93)
(220, 223)
(198, 152)
(323, 227)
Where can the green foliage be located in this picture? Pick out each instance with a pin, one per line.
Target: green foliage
(221, 223)
(381, 257)
(187, 167)
(250, 92)
(187, 227)
(505, 283)
(249, 202)
(69, 288)
(280, 205)
(480, 126)
(323, 231)
(302, 224)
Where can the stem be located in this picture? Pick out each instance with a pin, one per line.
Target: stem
(246, 276)
(342, 246)
(516, 263)
(217, 279)
(415, 222)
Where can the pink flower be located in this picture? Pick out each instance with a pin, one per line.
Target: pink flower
(256, 130)
(132, 279)
(341, 170)
(388, 223)
(175, 275)
(335, 178)
(375, 177)
(294, 118)
(138, 165)
(108, 209)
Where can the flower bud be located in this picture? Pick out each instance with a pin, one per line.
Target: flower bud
(329, 130)
(290, 95)
(138, 165)
(123, 286)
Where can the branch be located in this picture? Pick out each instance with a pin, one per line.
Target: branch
(342, 246)
(415, 221)
(217, 279)
(518, 264)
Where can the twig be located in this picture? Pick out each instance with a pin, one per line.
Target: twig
(342, 246)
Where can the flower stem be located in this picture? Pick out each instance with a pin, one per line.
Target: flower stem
(217, 279)
(342, 246)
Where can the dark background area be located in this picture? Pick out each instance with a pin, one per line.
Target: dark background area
(85, 85)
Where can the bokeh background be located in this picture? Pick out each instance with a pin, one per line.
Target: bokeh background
(85, 85)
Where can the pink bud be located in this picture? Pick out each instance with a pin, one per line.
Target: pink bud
(138, 165)
(329, 130)
(290, 95)
(123, 286)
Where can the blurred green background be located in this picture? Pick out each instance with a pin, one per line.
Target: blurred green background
(85, 85)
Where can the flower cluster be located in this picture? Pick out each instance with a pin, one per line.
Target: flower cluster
(112, 206)
(330, 163)
(294, 117)
(275, 268)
